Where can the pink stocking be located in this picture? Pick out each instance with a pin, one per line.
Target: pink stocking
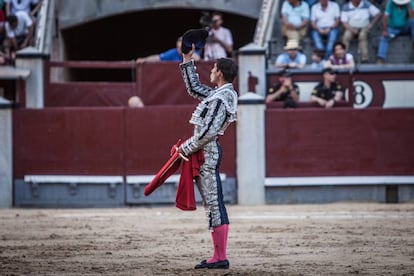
(219, 236)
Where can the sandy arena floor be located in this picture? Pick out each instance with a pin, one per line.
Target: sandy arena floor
(331, 239)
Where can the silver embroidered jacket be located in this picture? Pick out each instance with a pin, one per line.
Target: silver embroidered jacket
(216, 110)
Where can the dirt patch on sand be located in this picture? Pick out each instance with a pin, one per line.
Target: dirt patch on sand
(330, 239)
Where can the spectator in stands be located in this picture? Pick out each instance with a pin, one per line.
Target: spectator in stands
(173, 54)
(31, 7)
(3, 59)
(135, 102)
(295, 19)
(318, 60)
(19, 33)
(219, 43)
(324, 21)
(340, 58)
(311, 2)
(2, 21)
(329, 91)
(398, 20)
(285, 90)
(2, 15)
(292, 57)
(358, 17)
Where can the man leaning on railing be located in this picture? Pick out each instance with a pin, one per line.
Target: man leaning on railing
(19, 30)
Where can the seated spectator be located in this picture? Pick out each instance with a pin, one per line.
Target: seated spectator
(2, 21)
(324, 21)
(340, 59)
(358, 17)
(173, 54)
(295, 18)
(3, 59)
(318, 61)
(398, 20)
(311, 2)
(285, 90)
(327, 92)
(292, 57)
(2, 15)
(19, 33)
(2, 32)
(31, 7)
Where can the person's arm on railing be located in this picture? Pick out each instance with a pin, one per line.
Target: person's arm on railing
(35, 10)
(28, 41)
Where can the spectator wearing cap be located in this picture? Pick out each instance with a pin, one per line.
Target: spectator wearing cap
(328, 91)
(324, 21)
(340, 58)
(295, 19)
(398, 20)
(358, 17)
(284, 90)
(292, 57)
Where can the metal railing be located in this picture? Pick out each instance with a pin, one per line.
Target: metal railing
(44, 24)
(264, 28)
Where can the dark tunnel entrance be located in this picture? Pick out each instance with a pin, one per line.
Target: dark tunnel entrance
(127, 36)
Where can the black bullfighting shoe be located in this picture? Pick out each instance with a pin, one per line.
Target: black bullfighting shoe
(216, 265)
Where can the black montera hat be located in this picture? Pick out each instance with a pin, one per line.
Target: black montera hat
(194, 36)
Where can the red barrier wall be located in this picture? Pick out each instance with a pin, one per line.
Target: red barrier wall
(150, 133)
(339, 142)
(158, 83)
(103, 141)
(122, 141)
(68, 141)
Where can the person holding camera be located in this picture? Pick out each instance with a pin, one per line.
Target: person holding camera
(219, 43)
(285, 90)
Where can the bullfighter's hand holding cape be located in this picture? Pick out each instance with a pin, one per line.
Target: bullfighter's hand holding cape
(185, 198)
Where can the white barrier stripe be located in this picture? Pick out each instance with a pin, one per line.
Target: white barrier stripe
(73, 179)
(338, 180)
(132, 179)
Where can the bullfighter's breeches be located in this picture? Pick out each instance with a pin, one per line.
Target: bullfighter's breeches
(210, 186)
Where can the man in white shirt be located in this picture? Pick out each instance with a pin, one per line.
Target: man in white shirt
(295, 19)
(31, 7)
(19, 33)
(324, 21)
(356, 18)
(220, 41)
